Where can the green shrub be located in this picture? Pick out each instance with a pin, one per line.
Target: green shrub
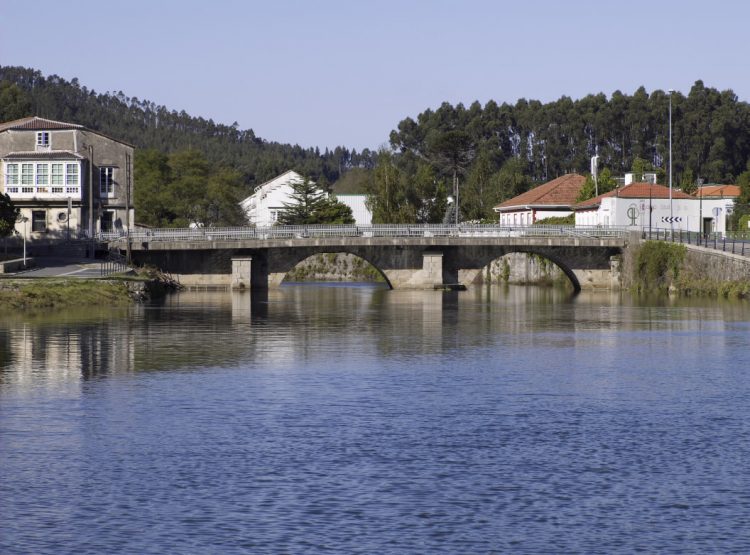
(657, 265)
(557, 220)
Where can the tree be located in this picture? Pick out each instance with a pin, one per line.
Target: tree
(639, 168)
(386, 196)
(310, 206)
(334, 212)
(742, 205)
(452, 151)
(153, 200)
(8, 215)
(687, 182)
(14, 103)
(605, 183)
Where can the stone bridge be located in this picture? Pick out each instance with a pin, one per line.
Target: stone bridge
(417, 262)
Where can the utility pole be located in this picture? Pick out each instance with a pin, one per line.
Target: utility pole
(91, 198)
(671, 218)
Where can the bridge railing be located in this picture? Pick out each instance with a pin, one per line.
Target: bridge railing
(375, 230)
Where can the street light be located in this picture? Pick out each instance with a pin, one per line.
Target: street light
(671, 219)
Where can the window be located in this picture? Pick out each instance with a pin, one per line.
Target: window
(71, 174)
(107, 221)
(106, 181)
(42, 174)
(39, 221)
(42, 139)
(11, 175)
(57, 174)
(27, 174)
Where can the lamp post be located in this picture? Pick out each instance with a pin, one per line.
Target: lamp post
(671, 219)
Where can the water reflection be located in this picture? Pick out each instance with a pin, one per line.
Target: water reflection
(278, 327)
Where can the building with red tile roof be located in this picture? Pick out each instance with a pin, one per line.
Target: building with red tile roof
(554, 198)
(648, 206)
(718, 191)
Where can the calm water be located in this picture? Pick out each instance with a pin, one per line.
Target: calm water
(357, 420)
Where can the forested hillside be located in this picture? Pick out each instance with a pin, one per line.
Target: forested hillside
(148, 125)
(497, 151)
(493, 151)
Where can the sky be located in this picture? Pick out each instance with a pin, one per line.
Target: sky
(330, 73)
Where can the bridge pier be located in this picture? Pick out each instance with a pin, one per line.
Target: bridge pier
(427, 277)
(242, 272)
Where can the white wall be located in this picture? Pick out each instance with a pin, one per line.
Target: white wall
(360, 212)
(632, 212)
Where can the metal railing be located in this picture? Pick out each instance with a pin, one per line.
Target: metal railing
(384, 230)
(114, 263)
(715, 241)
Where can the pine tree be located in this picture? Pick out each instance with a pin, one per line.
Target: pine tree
(309, 206)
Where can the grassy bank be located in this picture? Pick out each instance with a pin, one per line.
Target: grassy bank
(661, 267)
(61, 293)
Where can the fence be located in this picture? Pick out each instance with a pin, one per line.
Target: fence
(716, 241)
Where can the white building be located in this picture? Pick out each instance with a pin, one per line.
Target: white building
(263, 207)
(646, 206)
(361, 214)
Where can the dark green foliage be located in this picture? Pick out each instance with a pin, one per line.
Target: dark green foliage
(353, 182)
(741, 212)
(557, 220)
(8, 215)
(605, 183)
(711, 135)
(657, 265)
(14, 103)
(182, 188)
(310, 206)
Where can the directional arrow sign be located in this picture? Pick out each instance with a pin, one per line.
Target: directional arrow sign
(671, 219)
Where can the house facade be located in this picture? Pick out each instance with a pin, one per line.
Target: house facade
(263, 207)
(644, 206)
(66, 180)
(552, 199)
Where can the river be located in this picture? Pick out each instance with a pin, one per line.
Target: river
(351, 419)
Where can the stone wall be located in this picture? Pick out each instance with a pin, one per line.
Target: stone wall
(522, 269)
(334, 267)
(701, 268)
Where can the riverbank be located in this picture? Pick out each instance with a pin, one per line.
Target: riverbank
(656, 266)
(16, 293)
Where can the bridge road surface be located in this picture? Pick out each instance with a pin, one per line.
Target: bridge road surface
(62, 267)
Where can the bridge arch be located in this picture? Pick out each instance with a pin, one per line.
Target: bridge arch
(353, 266)
(472, 263)
(534, 270)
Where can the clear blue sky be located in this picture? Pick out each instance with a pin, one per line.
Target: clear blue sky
(326, 73)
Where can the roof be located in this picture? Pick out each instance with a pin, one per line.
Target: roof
(721, 191)
(562, 191)
(35, 123)
(43, 155)
(633, 190)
